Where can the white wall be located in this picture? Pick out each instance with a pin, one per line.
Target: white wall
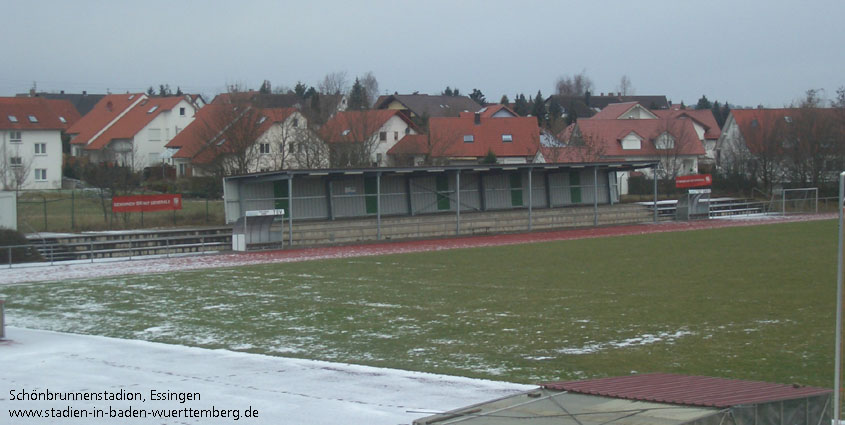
(395, 128)
(149, 142)
(51, 161)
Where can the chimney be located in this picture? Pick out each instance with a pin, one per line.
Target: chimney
(62, 92)
(602, 94)
(84, 92)
(477, 118)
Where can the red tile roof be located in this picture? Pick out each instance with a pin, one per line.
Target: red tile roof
(46, 112)
(447, 134)
(606, 136)
(354, 126)
(755, 125)
(614, 110)
(104, 112)
(688, 390)
(703, 117)
(197, 141)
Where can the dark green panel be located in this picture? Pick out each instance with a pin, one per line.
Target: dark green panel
(280, 193)
(516, 189)
(371, 194)
(574, 186)
(442, 185)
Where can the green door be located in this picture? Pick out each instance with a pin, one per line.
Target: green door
(575, 186)
(516, 189)
(371, 194)
(442, 187)
(280, 195)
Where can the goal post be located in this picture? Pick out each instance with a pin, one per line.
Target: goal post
(799, 201)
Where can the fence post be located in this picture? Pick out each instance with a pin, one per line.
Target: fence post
(167, 244)
(45, 212)
(72, 209)
(206, 209)
(91, 251)
(2, 320)
(10, 257)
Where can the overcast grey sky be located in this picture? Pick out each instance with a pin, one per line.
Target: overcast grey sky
(746, 52)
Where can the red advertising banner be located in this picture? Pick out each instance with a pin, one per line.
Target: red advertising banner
(146, 203)
(696, 180)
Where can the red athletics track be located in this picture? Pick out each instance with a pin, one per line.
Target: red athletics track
(81, 270)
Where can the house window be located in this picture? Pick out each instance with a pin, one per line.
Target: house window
(665, 141)
(407, 130)
(296, 122)
(182, 112)
(153, 109)
(15, 161)
(378, 158)
(182, 170)
(469, 138)
(507, 138)
(382, 136)
(41, 149)
(40, 174)
(264, 148)
(290, 147)
(12, 118)
(395, 135)
(63, 120)
(154, 134)
(33, 119)
(15, 136)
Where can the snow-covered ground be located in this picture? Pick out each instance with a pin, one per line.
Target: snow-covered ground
(281, 390)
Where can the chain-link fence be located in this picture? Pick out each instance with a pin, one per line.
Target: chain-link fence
(90, 210)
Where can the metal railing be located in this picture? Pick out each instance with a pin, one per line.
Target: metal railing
(125, 249)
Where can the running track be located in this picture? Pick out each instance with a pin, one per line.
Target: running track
(81, 270)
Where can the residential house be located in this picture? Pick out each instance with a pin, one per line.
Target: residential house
(131, 129)
(631, 132)
(494, 132)
(586, 106)
(31, 132)
(417, 106)
(237, 139)
(83, 102)
(363, 137)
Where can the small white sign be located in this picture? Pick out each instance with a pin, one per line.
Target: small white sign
(259, 213)
(698, 191)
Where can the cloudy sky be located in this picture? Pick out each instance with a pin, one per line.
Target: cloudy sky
(747, 52)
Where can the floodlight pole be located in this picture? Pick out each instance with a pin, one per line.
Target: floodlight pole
(838, 359)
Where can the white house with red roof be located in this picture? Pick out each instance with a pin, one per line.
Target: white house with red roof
(265, 139)
(131, 129)
(31, 131)
(471, 137)
(631, 132)
(363, 138)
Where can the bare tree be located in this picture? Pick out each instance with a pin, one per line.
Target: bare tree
(334, 83)
(370, 88)
(310, 151)
(15, 169)
(575, 85)
(812, 141)
(673, 146)
(625, 87)
(573, 145)
(353, 138)
(231, 130)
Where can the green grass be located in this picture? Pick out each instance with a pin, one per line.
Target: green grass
(746, 302)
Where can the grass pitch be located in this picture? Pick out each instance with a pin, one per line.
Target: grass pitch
(745, 302)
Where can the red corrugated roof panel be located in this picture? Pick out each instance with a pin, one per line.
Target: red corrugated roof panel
(688, 390)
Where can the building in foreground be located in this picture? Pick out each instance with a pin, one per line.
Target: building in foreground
(658, 399)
